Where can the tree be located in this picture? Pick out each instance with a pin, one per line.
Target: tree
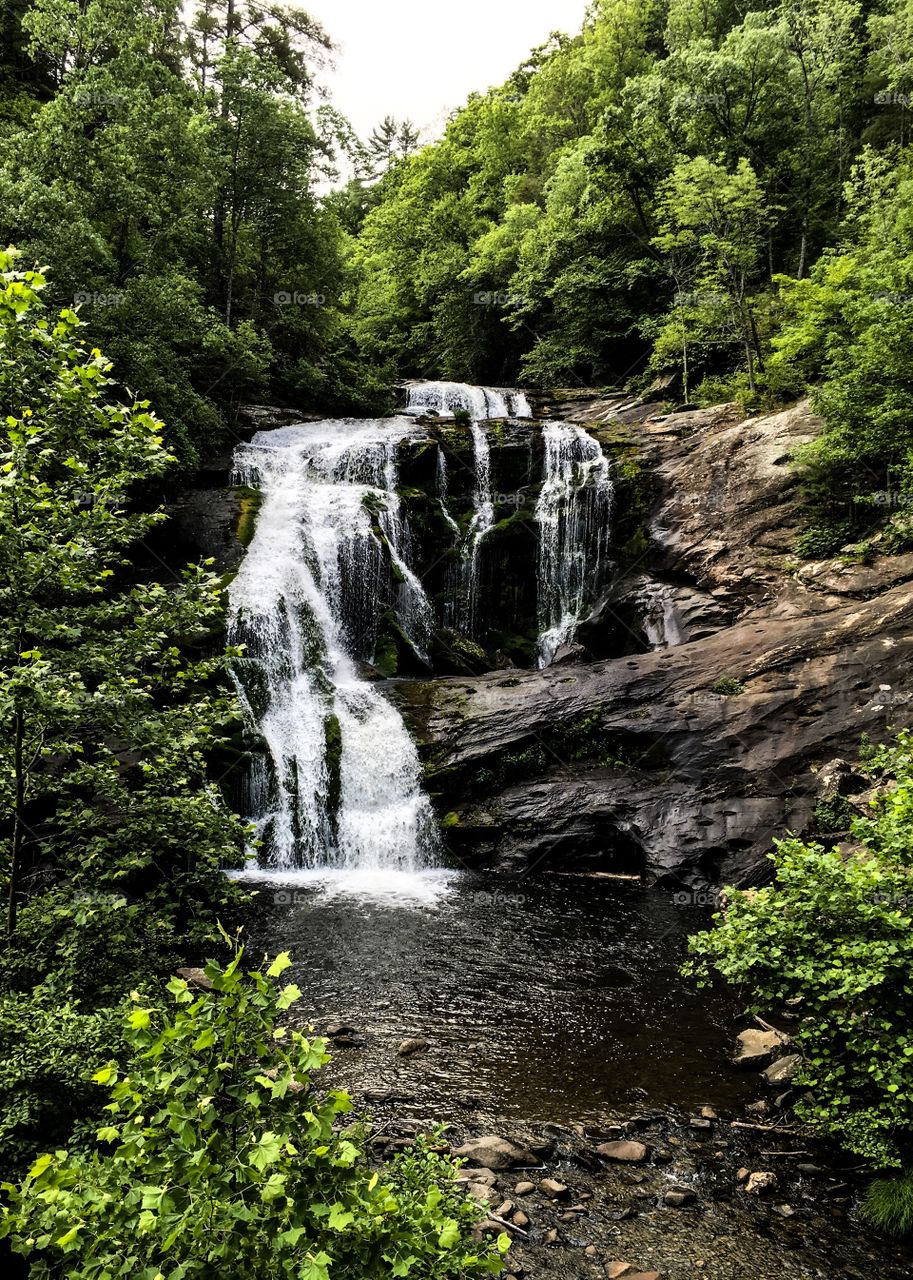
(712, 227)
(220, 1157)
(108, 706)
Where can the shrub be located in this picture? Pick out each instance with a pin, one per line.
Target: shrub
(220, 1158)
(834, 935)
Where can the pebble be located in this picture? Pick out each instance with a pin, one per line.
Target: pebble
(614, 1270)
(700, 1122)
(553, 1189)
(520, 1219)
(524, 1188)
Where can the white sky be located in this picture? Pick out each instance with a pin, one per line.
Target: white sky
(419, 59)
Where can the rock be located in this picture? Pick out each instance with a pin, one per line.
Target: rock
(519, 1219)
(625, 1152)
(785, 1210)
(553, 1189)
(678, 1199)
(699, 1122)
(760, 1184)
(339, 1029)
(505, 1209)
(492, 1152)
(195, 977)
(759, 1108)
(614, 1270)
(757, 1048)
(550, 1237)
(708, 1113)
(742, 1175)
(783, 1070)
(524, 1188)
(477, 1175)
(663, 1157)
(644, 1275)
(479, 1191)
(415, 1045)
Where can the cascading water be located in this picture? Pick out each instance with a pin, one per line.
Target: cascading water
(574, 513)
(445, 399)
(338, 782)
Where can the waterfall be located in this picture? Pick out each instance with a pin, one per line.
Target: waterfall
(447, 398)
(573, 512)
(338, 782)
(444, 399)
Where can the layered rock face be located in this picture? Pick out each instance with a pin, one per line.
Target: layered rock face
(687, 760)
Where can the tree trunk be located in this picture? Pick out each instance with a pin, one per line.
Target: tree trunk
(18, 821)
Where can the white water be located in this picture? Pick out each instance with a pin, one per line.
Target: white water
(444, 399)
(305, 603)
(447, 398)
(574, 513)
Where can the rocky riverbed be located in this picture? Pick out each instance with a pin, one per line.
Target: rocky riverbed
(589, 1089)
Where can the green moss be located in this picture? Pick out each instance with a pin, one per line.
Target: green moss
(333, 755)
(248, 510)
(729, 687)
(450, 820)
(386, 655)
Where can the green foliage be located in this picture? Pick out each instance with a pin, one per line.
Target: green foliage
(728, 687)
(834, 937)
(109, 707)
(218, 1154)
(888, 1205)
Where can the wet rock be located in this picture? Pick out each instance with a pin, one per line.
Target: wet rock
(553, 1189)
(782, 1070)
(742, 1175)
(757, 1048)
(663, 1157)
(785, 1210)
(761, 1184)
(677, 1199)
(520, 1219)
(708, 1113)
(415, 1045)
(550, 1237)
(759, 1108)
(524, 1188)
(339, 1029)
(644, 1275)
(625, 1152)
(614, 1270)
(492, 1152)
(505, 1209)
(699, 1122)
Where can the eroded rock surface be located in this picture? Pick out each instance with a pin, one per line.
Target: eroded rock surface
(684, 762)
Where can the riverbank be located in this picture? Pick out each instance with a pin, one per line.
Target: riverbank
(549, 1012)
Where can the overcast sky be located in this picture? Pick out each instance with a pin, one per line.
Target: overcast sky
(418, 59)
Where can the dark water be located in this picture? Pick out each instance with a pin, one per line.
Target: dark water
(554, 999)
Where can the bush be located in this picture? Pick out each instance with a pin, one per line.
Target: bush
(220, 1158)
(888, 1205)
(834, 936)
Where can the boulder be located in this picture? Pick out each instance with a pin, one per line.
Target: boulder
(625, 1152)
(783, 1070)
(757, 1048)
(492, 1152)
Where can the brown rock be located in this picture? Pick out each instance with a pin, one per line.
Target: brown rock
(524, 1188)
(760, 1184)
(408, 1047)
(492, 1152)
(614, 1270)
(553, 1189)
(625, 1152)
(756, 1048)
